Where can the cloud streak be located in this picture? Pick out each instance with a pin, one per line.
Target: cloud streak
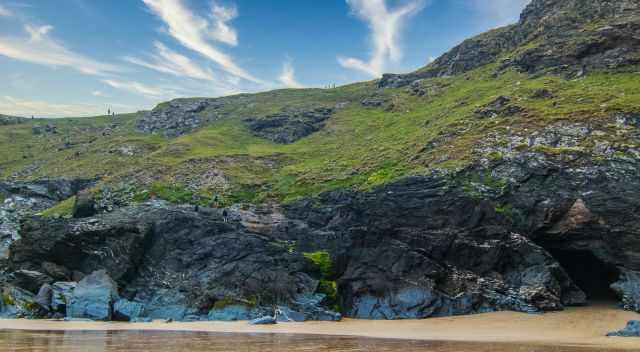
(39, 47)
(26, 107)
(4, 12)
(170, 62)
(151, 92)
(197, 33)
(288, 76)
(385, 26)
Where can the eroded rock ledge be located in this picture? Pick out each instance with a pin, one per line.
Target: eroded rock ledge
(515, 234)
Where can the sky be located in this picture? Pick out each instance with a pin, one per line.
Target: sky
(82, 57)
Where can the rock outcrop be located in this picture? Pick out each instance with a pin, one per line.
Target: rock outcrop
(93, 297)
(20, 199)
(515, 234)
(290, 125)
(560, 36)
(631, 330)
(179, 116)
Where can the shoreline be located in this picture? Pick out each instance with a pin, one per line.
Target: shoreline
(575, 327)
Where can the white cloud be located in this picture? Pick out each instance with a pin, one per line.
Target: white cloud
(288, 76)
(385, 26)
(98, 93)
(4, 12)
(168, 61)
(152, 92)
(221, 31)
(196, 33)
(499, 12)
(24, 107)
(40, 48)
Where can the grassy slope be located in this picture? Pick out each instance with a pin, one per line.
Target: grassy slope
(360, 146)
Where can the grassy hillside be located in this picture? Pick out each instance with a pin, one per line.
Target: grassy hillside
(359, 147)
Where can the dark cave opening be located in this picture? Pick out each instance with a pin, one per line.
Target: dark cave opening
(589, 273)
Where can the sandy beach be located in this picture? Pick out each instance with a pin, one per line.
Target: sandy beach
(583, 327)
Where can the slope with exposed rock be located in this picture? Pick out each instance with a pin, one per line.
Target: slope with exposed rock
(503, 176)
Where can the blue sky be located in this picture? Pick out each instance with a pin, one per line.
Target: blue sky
(80, 57)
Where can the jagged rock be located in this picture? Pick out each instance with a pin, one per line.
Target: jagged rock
(557, 35)
(84, 205)
(179, 116)
(375, 101)
(44, 296)
(93, 297)
(628, 288)
(56, 271)
(128, 311)
(499, 107)
(516, 234)
(265, 320)
(631, 330)
(290, 125)
(61, 294)
(30, 280)
(231, 312)
(19, 303)
(21, 199)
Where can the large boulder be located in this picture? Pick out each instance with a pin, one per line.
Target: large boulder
(128, 311)
(93, 297)
(631, 330)
(628, 288)
(61, 294)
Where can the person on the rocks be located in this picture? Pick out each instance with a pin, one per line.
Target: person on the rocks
(224, 215)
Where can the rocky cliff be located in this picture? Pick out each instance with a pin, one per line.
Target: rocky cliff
(503, 176)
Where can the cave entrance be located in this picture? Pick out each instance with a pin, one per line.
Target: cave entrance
(590, 274)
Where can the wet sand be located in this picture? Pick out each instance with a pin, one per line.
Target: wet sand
(577, 327)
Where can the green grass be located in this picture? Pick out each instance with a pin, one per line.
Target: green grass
(360, 147)
(327, 285)
(64, 208)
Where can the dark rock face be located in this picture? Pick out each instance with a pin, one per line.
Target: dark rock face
(171, 262)
(179, 116)
(84, 205)
(631, 330)
(628, 288)
(290, 125)
(558, 35)
(22, 199)
(501, 106)
(93, 297)
(529, 233)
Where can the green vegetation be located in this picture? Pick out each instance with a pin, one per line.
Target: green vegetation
(327, 285)
(7, 299)
(359, 147)
(64, 208)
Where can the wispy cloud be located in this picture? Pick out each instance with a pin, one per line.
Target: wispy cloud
(152, 92)
(25, 107)
(288, 76)
(39, 47)
(385, 26)
(221, 31)
(197, 33)
(169, 61)
(98, 93)
(4, 12)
